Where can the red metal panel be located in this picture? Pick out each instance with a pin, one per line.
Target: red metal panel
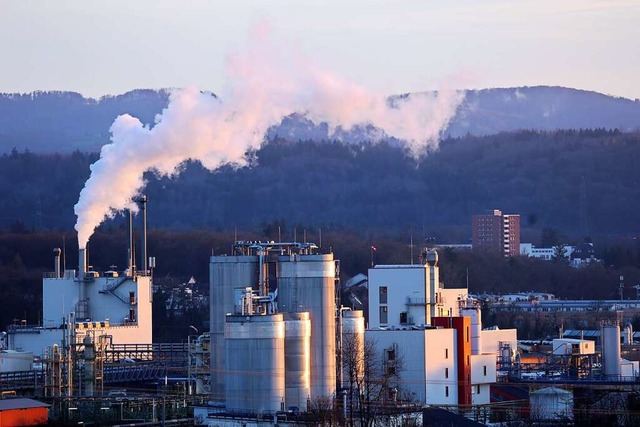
(462, 325)
(24, 417)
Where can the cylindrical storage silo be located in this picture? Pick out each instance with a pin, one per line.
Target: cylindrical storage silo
(297, 360)
(610, 342)
(226, 273)
(352, 348)
(254, 369)
(307, 283)
(476, 327)
(628, 334)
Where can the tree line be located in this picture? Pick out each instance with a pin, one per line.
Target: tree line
(582, 182)
(180, 255)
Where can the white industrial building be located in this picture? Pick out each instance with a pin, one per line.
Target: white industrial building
(410, 294)
(84, 302)
(447, 358)
(86, 306)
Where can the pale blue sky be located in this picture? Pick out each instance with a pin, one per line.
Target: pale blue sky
(390, 46)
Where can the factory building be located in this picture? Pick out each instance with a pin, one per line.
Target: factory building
(83, 313)
(410, 294)
(83, 302)
(280, 341)
(273, 327)
(446, 357)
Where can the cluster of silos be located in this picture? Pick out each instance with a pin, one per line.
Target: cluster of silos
(269, 362)
(306, 283)
(226, 275)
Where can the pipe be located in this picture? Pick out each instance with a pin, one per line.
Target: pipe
(143, 250)
(82, 263)
(131, 243)
(56, 262)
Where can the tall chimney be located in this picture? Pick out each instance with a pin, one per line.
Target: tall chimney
(56, 262)
(131, 243)
(143, 250)
(82, 263)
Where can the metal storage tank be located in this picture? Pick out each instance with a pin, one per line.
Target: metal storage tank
(225, 274)
(476, 327)
(297, 361)
(628, 334)
(610, 349)
(352, 347)
(307, 283)
(254, 370)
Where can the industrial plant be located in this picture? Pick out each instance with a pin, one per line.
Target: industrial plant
(282, 349)
(93, 341)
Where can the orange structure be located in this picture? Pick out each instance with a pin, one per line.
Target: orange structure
(462, 325)
(23, 412)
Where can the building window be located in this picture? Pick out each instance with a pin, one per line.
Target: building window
(478, 389)
(485, 370)
(446, 372)
(383, 314)
(391, 354)
(404, 318)
(383, 294)
(467, 335)
(446, 391)
(446, 353)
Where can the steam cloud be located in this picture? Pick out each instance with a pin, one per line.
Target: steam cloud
(265, 85)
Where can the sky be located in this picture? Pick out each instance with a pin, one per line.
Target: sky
(388, 46)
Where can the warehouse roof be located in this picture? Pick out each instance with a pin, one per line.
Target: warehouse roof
(20, 403)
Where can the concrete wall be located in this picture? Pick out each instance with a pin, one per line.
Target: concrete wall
(483, 368)
(450, 299)
(491, 339)
(429, 362)
(441, 354)
(481, 394)
(418, 284)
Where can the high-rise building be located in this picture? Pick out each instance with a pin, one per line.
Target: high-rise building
(497, 232)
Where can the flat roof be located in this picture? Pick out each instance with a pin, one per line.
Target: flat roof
(20, 403)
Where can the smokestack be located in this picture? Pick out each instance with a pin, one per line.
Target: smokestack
(82, 263)
(131, 243)
(143, 250)
(56, 262)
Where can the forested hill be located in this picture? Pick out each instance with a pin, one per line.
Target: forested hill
(547, 177)
(489, 111)
(61, 122)
(65, 121)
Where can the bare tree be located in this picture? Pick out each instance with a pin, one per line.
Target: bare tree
(374, 390)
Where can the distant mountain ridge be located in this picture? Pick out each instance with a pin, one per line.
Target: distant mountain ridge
(489, 111)
(66, 121)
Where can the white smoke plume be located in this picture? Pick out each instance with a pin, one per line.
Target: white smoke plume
(265, 84)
